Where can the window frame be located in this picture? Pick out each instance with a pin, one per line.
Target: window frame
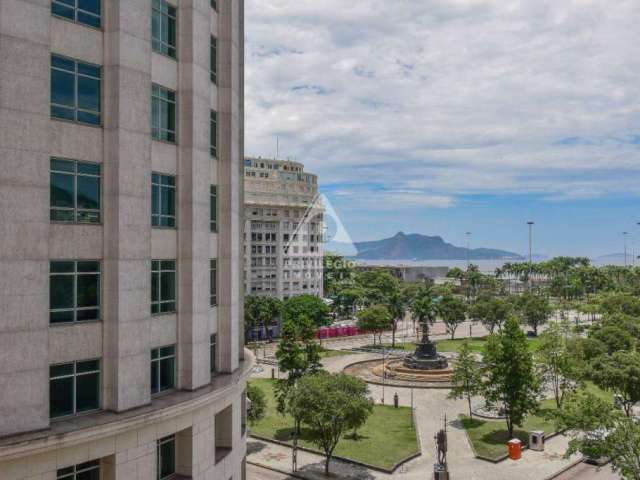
(159, 443)
(213, 351)
(163, 187)
(75, 309)
(162, 94)
(76, 74)
(76, 8)
(75, 174)
(213, 59)
(160, 301)
(75, 376)
(158, 359)
(213, 208)
(163, 10)
(213, 282)
(72, 471)
(213, 134)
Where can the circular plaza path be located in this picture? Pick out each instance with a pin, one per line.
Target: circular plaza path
(430, 405)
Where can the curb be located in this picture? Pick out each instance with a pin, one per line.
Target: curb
(565, 469)
(343, 459)
(501, 458)
(277, 470)
(390, 385)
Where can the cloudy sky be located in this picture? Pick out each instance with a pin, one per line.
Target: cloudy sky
(446, 116)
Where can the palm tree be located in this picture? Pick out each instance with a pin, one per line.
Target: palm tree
(396, 306)
(424, 311)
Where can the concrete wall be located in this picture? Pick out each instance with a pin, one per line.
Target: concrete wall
(124, 243)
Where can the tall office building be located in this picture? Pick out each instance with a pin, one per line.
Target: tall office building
(283, 229)
(121, 147)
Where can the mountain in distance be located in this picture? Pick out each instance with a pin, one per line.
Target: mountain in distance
(613, 259)
(422, 247)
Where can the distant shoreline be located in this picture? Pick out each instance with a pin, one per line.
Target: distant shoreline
(485, 266)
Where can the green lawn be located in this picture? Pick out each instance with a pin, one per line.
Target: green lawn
(489, 437)
(334, 353)
(386, 438)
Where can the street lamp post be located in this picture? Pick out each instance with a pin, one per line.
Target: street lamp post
(468, 234)
(531, 224)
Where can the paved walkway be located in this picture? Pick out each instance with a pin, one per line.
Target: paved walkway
(431, 405)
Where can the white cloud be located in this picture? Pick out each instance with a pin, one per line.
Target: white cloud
(433, 99)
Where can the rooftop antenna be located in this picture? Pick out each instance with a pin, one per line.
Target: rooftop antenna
(277, 147)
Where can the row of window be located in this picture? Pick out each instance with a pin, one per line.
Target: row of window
(75, 195)
(74, 387)
(74, 289)
(164, 21)
(76, 96)
(166, 451)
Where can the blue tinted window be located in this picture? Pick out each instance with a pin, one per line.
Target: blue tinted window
(163, 28)
(74, 291)
(75, 90)
(74, 191)
(74, 388)
(163, 113)
(163, 201)
(86, 12)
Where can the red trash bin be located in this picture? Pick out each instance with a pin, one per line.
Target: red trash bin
(515, 449)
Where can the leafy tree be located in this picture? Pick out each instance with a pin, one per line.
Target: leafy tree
(586, 419)
(510, 377)
(423, 309)
(338, 274)
(453, 311)
(260, 312)
(375, 319)
(466, 377)
(329, 405)
(613, 338)
(258, 403)
(346, 300)
(534, 310)
(558, 366)
(298, 354)
(620, 302)
(376, 284)
(396, 306)
(596, 430)
(252, 315)
(620, 374)
(623, 447)
(491, 312)
(308, 306)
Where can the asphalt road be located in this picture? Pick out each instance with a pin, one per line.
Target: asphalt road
(583, 471)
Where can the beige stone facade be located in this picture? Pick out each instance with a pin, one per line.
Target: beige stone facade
(200, 406)
(283, 229)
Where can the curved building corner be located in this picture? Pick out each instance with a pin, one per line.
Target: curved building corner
(121, 294)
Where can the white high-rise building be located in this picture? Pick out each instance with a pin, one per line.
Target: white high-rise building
(121, 200)
(283, 229)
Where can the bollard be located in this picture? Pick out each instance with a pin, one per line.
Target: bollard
(273, 373)
(395, 400)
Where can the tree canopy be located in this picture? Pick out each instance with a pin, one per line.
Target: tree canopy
(330, 405)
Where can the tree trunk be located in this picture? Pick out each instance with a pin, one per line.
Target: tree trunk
(393, 334)
(470, 412)
(326, 465)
